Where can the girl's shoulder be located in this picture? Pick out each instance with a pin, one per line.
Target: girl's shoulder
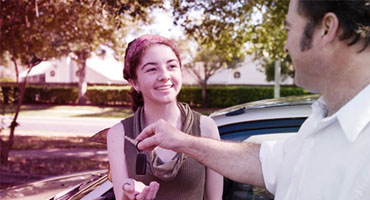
(116, 130)
(208, 127)
(102, 135)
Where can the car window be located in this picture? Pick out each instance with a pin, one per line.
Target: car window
(242, 131)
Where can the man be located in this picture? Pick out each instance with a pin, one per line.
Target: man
(329, 158)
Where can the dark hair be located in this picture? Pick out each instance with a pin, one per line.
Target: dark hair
(134, 51)
(353, 16)
(306, 40)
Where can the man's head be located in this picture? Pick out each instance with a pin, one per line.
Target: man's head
(315, 30)
(353, 17)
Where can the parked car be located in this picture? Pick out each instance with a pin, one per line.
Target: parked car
(256, 121)
(270, 119)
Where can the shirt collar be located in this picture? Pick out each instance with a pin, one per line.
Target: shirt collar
(353, 117)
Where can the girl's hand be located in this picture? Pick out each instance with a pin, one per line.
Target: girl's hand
(138, 190)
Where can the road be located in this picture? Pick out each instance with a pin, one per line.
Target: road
(57, 126)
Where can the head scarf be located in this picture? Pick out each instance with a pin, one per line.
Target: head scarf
(138, 46)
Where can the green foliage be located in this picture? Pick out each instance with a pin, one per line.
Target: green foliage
(50, 95)
(213, 59)
(286, 68)
(213, 22)
(224, 96)
(32, 31)
(218, 96)
(42, 94)
(6, 79)
(7, 95)
(137, 10)
(235, 25)
(50, 29)
(191, 95)
(113, 96)
(267, 36)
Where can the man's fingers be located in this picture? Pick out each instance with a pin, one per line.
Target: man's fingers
(148, 144)
(147, 132)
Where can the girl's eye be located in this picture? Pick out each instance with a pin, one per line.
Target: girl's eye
(151, 70)
(173, 66)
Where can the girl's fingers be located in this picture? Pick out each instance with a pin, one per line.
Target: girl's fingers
(153, 189)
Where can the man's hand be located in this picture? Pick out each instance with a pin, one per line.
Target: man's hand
(161, 134)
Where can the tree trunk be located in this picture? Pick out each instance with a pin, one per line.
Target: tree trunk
(6, 146)
(82, 83)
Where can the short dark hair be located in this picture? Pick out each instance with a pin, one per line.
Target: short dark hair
(353, 16)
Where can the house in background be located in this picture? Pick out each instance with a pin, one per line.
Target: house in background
(247, 73)
(103, 68)
(100, 69)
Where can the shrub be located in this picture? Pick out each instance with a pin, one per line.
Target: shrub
(108, 96)
(217, 96)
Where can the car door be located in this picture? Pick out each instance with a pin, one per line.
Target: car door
(255, 131)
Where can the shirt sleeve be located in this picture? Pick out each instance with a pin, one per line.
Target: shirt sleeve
(271, 156)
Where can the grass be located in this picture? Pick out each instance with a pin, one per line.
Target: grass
(36, 142)
(49, 166)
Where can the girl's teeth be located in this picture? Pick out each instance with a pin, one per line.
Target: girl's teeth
(165, 87)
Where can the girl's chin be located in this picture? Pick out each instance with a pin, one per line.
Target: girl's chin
(167, 100)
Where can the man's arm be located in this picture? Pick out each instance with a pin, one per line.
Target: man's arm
(237, 161)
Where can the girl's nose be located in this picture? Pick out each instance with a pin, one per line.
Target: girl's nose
(163, 75)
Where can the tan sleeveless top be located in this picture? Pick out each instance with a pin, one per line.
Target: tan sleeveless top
(189, 183)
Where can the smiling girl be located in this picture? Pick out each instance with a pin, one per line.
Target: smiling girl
(154, 70)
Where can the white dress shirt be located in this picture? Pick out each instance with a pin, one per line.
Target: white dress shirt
(329, 158)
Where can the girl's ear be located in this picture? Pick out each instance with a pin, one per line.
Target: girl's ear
(134, 84)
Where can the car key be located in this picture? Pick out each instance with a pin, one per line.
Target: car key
(140, 161)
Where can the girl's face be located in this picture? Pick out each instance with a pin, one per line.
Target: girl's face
(159, 75)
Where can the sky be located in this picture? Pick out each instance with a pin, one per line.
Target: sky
(162, 25)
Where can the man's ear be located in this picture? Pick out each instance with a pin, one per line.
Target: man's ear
(134, 84)
(329, 28)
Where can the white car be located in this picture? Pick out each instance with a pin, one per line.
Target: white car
(255, 121)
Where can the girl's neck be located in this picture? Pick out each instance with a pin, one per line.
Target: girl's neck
(168, 112)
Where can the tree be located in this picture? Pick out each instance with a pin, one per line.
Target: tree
(17, 41)
(285, 66)
(236, 24)
(220, 42)
(207, 61)
(36, 30)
